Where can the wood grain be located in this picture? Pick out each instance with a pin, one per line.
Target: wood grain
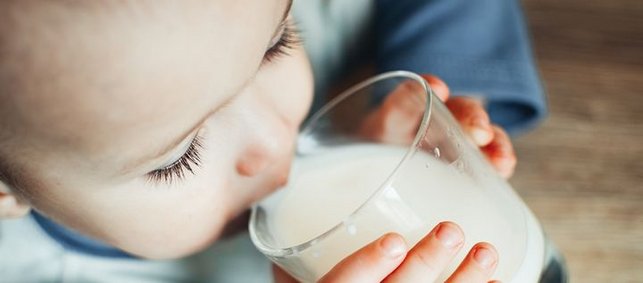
(581, 172)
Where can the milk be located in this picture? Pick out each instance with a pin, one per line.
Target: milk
(325, 190)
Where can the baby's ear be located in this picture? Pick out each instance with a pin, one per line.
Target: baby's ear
(11, 206)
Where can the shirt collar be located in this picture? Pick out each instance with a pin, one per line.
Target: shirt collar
(74, 241)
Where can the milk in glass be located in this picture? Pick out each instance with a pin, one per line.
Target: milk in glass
(326, 189)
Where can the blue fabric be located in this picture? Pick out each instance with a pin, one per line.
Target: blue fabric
(74, 241)
(479, 47)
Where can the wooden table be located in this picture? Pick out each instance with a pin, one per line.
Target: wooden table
(582, 171)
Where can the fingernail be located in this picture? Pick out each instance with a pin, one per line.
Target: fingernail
(393, 245)
(480, 130)
(449, 235)
(485, 257)
(480, 136)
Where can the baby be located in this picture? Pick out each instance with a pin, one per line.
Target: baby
(149, 126)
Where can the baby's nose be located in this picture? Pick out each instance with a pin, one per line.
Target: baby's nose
(253, 161)
(260, 155)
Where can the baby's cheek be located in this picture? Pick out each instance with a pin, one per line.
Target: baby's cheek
(156, 220)
(176, 224)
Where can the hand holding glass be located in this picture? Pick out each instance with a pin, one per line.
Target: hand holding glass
(354, 180)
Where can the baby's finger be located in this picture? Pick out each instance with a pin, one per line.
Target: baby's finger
(397, 119)
(426, 261)
(371, 263)
(500, 153)
(477, 266)
(473, 119)
(438, 86)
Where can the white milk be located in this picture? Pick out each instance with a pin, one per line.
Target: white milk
(325, 190)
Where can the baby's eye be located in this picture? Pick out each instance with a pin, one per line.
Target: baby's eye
(285, 43)
(177, 170)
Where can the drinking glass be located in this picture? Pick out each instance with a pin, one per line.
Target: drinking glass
(387, 156)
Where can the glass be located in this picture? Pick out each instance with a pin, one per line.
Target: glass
(364, 168)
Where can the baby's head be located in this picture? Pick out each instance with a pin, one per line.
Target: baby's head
(146, 124)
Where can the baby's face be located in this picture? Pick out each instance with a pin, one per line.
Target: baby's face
(151, 124)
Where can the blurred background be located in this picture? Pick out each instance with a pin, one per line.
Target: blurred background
(581, 172)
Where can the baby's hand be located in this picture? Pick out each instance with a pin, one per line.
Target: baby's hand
(388, 259)
(400, 114)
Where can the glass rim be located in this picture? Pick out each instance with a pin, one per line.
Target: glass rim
(419, 135)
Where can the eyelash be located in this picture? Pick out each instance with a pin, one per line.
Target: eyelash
(179, 168)
(192, 157)
(287, 42)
